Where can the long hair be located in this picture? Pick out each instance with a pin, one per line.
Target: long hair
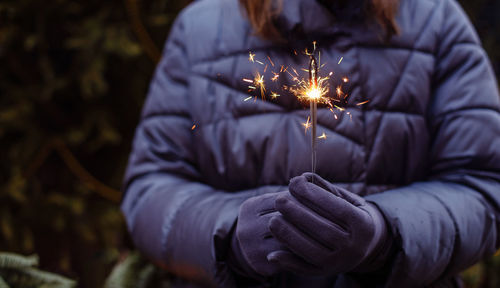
(261, 13)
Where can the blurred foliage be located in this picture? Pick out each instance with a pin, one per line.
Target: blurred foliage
(20, 272)
(136, 272)
(75, 71)
(78, 72)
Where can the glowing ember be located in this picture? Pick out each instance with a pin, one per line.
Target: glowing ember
(275, 77)
(251, 57)
(307, 125)
(270, 61)
(362, 103)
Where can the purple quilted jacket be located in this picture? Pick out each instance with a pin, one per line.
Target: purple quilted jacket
(425, 148)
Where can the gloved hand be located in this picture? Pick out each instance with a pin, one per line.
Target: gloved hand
(252, 241)
(336, 231)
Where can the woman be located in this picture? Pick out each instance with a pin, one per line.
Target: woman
(407, 191)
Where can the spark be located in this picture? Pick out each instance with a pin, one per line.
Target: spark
(259, 79)
(248, 98)
(274, 95)
(275, 77)
(345, 79)
(323, 136)
(339, 108)
(193, 127)
(260, 62)
(251, 57)
(270, 61)
(259, 82)
(307, 125)
(339, 91)
(340, 61)
(265, 69)
(362, 103)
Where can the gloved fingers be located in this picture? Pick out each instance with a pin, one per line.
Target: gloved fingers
(258, 205)
(319, 228)
(291, 262)
(336, 190)
(297, 241)
(326, 204)
(350, 197)
(317, 180)
(265, 267)
(254, 227)
(255, 253)
(271, 243)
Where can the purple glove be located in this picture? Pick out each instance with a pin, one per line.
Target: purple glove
(252, 240)
(336, 231)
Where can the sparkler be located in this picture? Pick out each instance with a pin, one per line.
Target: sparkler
(313, 94)
(314, 90)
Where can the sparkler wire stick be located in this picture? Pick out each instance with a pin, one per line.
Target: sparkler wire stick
(313, 82)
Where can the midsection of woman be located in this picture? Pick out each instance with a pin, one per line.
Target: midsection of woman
(422, 148)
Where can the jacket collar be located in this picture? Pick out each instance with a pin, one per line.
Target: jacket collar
(316, 17)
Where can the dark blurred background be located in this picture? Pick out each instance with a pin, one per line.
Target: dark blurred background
(73, 77)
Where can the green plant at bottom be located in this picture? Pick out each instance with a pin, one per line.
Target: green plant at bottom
(135, 271)
(21, 271)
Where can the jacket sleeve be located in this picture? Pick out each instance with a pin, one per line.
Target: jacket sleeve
(451, 221)
(173, 217)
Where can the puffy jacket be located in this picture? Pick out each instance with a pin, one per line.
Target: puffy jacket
(425, 148)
